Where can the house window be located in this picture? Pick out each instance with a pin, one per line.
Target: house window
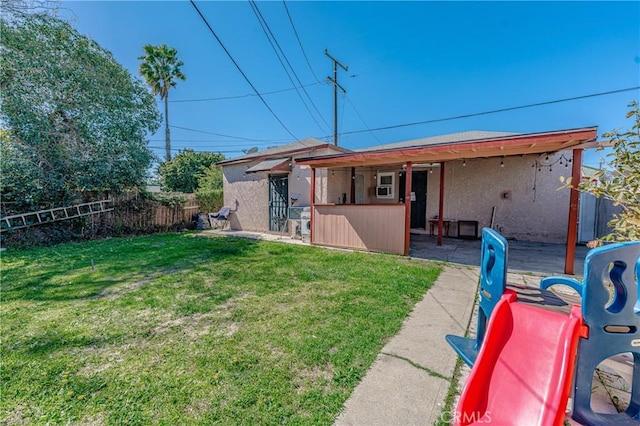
(386, 183)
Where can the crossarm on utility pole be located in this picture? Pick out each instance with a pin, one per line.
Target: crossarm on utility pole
(334, 80)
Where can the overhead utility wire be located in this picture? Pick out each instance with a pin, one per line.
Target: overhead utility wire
(199, 150)
(240, 69)
(224, 98)
(299, 42)
(361, 119)
(271, 39)
(437, 120)
(257, 11)
(215, 143)
(227, 136)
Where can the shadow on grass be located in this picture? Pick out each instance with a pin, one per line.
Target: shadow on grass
(93, 269)
(53, 340)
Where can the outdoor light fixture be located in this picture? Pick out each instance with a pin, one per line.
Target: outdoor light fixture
(562, 161)
(502, 162)
(464, 163)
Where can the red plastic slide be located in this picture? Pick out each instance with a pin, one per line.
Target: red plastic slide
(524, 370)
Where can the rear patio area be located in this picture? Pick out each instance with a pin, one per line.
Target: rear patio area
(524, 256)
(548, 257)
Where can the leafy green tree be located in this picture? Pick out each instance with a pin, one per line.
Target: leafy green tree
(211, 178)
(160, 68)
(619, 181)
(75, 120)
(209, 194)
(183, 172)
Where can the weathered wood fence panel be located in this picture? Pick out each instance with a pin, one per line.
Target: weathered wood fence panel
(134, 212)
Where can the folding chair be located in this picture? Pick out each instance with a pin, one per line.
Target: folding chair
(221, 217)
(493, 280)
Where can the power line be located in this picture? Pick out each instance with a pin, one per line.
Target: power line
(361, 119)
(299, 42)
(272, 39)
(227, 136)
(202, 149)
(240, 69)
(257, 11)
(224, 98)
(457, 117)
(328, 137)
(217, 142)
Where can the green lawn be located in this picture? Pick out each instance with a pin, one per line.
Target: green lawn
(180, 328)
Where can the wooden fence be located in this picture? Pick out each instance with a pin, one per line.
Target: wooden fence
(135, 213)
(128, 214)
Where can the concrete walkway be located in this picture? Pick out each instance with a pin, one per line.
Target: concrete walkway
(409, 381)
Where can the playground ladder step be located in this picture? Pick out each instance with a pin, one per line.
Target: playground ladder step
(26, 220)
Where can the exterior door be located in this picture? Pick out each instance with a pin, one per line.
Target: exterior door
(278, 202)
(419, 205)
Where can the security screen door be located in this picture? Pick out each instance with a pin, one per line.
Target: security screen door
(278, 202)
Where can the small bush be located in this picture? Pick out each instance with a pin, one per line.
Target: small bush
(210, 200)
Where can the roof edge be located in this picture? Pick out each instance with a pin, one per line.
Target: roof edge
(518, 136)
(288, 153)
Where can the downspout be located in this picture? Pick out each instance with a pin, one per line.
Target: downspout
(407, 207)
(574, 200)
(441, 205)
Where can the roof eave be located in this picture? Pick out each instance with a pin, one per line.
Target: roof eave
(533, 143)
(242, 160)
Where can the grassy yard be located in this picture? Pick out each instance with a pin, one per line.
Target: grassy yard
(185, 329)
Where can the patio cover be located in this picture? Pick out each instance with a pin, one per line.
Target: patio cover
(278, 164)
(467, 145)
(461, 146)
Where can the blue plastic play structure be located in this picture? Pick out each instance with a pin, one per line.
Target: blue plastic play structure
(493, 280)
(613, 317)
(566, 351)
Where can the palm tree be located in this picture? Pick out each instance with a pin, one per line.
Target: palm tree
(160, 68)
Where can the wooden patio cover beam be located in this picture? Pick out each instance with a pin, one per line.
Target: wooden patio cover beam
(512, 145)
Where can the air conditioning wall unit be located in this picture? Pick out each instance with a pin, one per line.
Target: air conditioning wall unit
(384, 192)
(305, 223)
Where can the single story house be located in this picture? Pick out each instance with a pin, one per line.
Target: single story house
(450, 185)
(260, 187)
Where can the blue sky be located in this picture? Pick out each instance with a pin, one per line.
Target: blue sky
(408, 62)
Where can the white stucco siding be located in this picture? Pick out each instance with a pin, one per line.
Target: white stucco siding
(300, 184)
(248, 193)
(535, 209)
(248, 197)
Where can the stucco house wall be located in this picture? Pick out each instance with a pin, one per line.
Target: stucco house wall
(336, 182)
(535, 209)
(248, 193)
(248, 197)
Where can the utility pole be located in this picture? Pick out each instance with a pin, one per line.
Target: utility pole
(334, 80)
